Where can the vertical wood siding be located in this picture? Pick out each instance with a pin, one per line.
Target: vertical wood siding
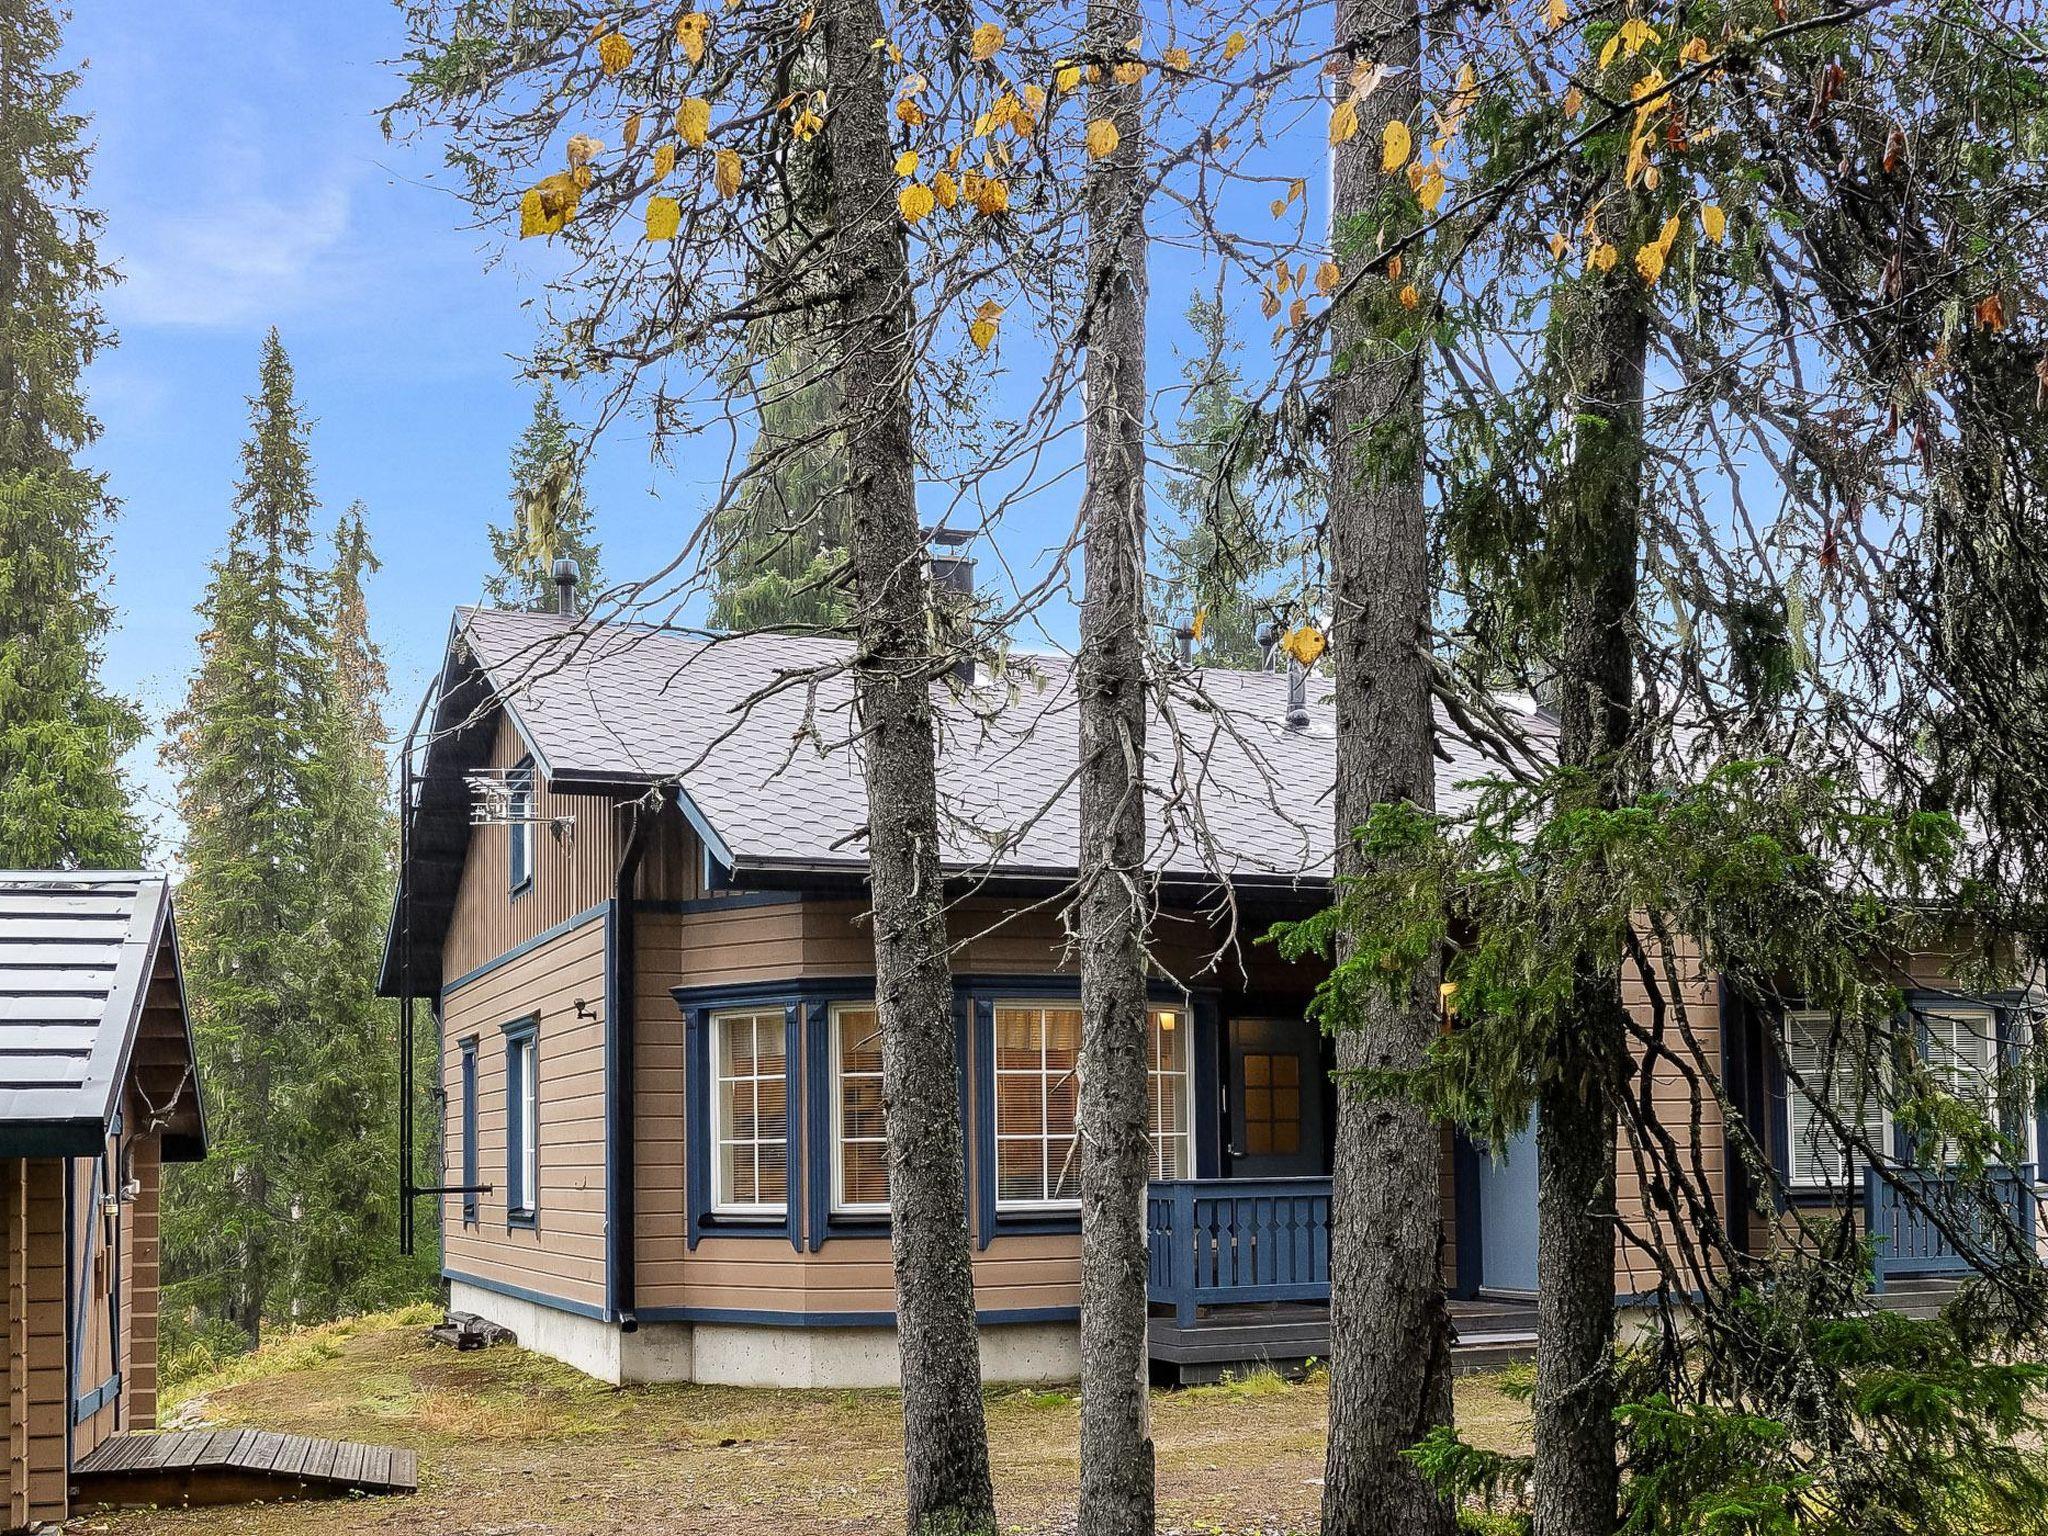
(141, 1301)
(562, 1254)
(38, 1477)
(571, 873)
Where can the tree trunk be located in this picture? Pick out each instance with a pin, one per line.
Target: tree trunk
(945, 1442)
(1577, 1481)
(1113, 902)
(1390, 1380)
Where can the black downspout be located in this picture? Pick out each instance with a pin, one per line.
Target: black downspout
(622, 1024)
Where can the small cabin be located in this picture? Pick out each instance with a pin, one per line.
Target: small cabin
(633, 901)
(99, 1089)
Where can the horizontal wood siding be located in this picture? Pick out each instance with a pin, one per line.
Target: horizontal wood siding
(563, 1254)
(1682, 1088)
(571, 873)
(38, 1478)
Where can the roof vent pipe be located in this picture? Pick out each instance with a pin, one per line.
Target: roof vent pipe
(1297, 695)
(1184, 645)
(566, 577)
(1268, 639)
(953, 596)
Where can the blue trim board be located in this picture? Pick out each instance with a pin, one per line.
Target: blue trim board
(521, 1293)
(92, 1402)
(82, 1279)
(522, 1205)
(472, 1173)
(615, 1130)
(546, 936)
(730, 902)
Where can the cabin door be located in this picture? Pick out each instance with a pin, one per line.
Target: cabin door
(1276, 1100)
(1507, 1215)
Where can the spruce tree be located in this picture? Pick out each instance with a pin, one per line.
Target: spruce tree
(551, 515)
(255, 792)
(63, 800)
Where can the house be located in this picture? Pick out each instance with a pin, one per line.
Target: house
(632, 895)
(98, 1089)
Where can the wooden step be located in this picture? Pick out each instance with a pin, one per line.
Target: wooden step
(236, 1466)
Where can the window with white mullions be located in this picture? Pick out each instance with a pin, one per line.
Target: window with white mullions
(1037, 1058)
(522, 1117)
(1961, 1048)
(860, 1141)
(1841, 1067)
(750, 1113)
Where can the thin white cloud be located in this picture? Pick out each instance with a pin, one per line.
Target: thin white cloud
(235, 255)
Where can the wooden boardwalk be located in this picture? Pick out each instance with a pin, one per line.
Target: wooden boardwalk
(237, 1466)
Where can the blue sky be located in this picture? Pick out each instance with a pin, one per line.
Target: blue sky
(247, 182)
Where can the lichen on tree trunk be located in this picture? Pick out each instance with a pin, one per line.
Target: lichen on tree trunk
(945, 1441)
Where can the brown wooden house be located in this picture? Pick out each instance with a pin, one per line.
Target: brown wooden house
(98, 1089)
(633, 896)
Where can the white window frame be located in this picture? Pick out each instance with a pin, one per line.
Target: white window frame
(1821, 1025)
(715, 1048)
(1185, 1021)
(1987, 1018)
(841, 1206)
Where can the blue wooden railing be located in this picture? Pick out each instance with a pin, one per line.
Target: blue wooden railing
(1899, 1205)
(1219, 1241)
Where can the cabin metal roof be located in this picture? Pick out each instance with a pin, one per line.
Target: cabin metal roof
(88, 975)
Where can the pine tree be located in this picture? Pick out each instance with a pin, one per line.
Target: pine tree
(254, 793)
(63, 799)
(551, 516)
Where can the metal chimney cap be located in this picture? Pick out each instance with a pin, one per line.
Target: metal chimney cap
(566, 575)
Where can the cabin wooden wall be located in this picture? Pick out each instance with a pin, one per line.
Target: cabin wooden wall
(572, 873)
(32, 1215)
(562, 1254)
(141, 1298)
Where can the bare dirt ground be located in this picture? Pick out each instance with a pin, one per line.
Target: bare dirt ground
(514, 1445)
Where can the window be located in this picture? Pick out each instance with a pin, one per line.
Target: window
(1271, 1113)
(1840, 1063)
(519, 850)
(1037, 1077)
(522, 1122)
(1961, 1049)
(749, 1113)
(470, 1175)
(860, 1164)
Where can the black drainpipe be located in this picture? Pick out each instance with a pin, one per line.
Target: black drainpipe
(620, 1020)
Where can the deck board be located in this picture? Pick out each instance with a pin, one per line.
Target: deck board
(232, 1466)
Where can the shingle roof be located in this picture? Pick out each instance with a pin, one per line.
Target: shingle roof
(758, 732)
(78, 956)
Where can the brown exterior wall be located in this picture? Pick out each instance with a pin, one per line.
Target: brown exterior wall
(32, 1194)
(572, 872)
(562, 1253)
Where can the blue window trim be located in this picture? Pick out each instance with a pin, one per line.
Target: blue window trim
(471, 1170)
(522, 1205)
(1915, 1002)
(977, 998)
(698, 1004)
(520, 832)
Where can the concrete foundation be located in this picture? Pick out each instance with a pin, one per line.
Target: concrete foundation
(754, 1355)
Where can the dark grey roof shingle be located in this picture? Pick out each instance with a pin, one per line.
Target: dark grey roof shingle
(758, 730)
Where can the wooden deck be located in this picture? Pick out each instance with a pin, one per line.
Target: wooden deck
(237, 1466)
(1227, 1340)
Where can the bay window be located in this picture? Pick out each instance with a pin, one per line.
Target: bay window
(860, 1142)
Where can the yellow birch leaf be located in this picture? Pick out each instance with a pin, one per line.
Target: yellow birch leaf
(1574, 102)
(1066, 76)
(982, 333)
(1396, 143)
(693, 121)
(987, 42)
(664, 218)
(1269, 306)
(1695, 51)
(614, 53)
(1328, 278)
(583, 149)
(1714, 222)
(1650, 262)
(1297, 188)
(1296, 313)
(1130, 72)
(1178, 60)
(1034, 96)
(1431, 190)
(908, 111)
(1394, 267)
(1344, 122)
(1304, 644)
(1235, 44)
(1409, 297)
(726, 172)
(914, 202)
(692, 28)
(906, 163)
(1604, 257)
(1201, 623)
(992, 196)
(664, 161)
(1558, 245)
(548, 205)
(1555, 14)
(1279, 206)
(945, 190)
(1102, 138)
(632, 134)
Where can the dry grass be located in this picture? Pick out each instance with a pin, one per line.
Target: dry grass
(511, 1444)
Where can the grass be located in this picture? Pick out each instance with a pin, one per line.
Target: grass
(510, 1442)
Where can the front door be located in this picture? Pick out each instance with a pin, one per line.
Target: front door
(1276, 1100)
(1507, 1215)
